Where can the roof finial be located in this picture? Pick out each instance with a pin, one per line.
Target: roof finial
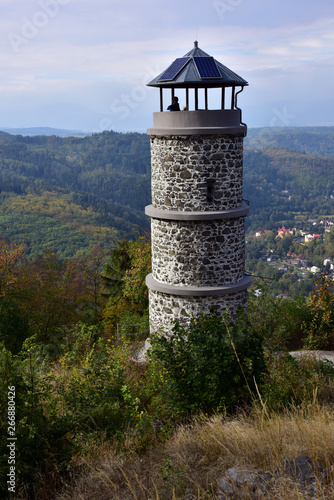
(195, 44)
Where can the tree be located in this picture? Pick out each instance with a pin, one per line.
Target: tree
(124, 276)
(52, 295)
(11, 256)
(90, 268)
(13, 319)
(135, 288)
(284, 245)
(118, 263)
(320, 330)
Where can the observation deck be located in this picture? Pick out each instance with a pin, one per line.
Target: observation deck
(198, 122)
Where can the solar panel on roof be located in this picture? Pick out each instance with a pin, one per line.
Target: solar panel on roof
(174, 69)
(207, 67)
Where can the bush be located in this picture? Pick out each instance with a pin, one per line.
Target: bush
(292, 382)
(14, 325)
(90, 384)
(319, 332)
(211, 364)
(42, 446)
(278, 320)
(60, 407)
(133, 326)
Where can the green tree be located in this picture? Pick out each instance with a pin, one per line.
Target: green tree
(90, 268)
(52, 294)
(124, 276)
(319, 332)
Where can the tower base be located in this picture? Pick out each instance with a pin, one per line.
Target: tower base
(165, 309)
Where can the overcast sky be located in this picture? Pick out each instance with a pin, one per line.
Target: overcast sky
(84, 64)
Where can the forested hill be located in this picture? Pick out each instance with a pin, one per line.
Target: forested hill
(288, 175)
(309, 140)
(66, 194)
(286, 188)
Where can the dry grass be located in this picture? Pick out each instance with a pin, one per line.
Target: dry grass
(189, 465)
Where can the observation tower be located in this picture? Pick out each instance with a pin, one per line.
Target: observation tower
(197, 212)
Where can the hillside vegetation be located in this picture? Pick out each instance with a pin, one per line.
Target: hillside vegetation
(66, 194)
(317, 141)
(76, 190)
(286, 187)
(92, 422)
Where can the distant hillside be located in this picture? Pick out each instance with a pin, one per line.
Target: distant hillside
(6, 136)
(284, 187)
(93, 189)
(67, 193)
(309, 140)
(32, 131)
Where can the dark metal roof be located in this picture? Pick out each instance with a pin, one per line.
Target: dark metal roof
(189, 71)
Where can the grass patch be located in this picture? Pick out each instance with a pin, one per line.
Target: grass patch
(190, 463)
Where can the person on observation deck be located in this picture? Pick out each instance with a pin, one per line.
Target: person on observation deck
(175, 104)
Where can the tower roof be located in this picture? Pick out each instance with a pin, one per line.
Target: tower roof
(197, 69)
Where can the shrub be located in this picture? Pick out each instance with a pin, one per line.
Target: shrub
(211, 364)
(290, 381)
(319, 332)
(89, 386)
(60, 407)
(278, 320)
(133, 326)
(42, 446)
(14, 324)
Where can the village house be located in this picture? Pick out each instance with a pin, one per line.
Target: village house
(311, 237)
(331, 265)
(263, 233)
(282, 232)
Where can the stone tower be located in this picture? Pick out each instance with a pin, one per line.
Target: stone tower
(197, 212)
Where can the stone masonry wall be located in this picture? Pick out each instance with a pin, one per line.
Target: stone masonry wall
(200, 253)
(164, 309)
(182, 167)
(196, 174)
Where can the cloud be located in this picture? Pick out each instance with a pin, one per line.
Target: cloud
(97, 53)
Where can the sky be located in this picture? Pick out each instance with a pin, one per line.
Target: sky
(84, 64)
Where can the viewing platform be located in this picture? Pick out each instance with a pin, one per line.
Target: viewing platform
(198, 122)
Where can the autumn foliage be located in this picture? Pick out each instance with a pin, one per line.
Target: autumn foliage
(80, 389)
(124, 279)
(46, 294)
(320, 331)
